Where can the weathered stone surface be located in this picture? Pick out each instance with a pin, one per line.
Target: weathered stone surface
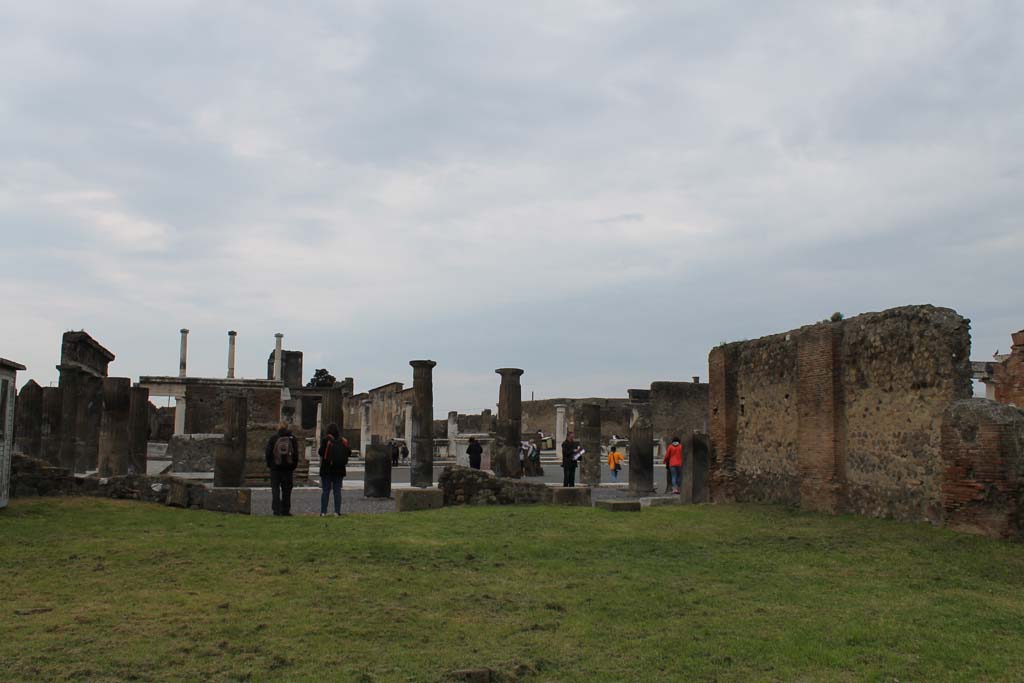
(505, 458)
(138, 430)
(1008, 374)
(410, 500)
(193, 452)
(377, 472)
(839, 416)
(421, 468)
(577, 495)
(229, 465)
(659, 501)
(619, 505)
(588, 433)
(641, 445)
(983, 479)
(114, 434)
(234, 500)
(28, 418)
(466, 486)
(185, 494)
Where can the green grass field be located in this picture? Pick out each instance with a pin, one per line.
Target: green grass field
(96, 590)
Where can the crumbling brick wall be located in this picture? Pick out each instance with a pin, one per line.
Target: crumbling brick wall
(678, 409)
(982, 482)
(1009, 374)
(615, 415)
(841, 415)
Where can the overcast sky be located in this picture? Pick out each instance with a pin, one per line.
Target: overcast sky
(593, 191)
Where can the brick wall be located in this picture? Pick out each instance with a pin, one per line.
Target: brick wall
(1009, 374)
(840, 416)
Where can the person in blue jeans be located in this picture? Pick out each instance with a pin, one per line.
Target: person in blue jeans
(334, 454)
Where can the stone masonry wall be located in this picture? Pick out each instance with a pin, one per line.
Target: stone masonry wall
(678, 409)
(840, 415)
(615, 415)
(1009, 374)
(205, 411)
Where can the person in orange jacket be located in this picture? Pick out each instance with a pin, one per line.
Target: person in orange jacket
(615, 462)
(674, 461)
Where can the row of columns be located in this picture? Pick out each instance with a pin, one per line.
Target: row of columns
(232, 339)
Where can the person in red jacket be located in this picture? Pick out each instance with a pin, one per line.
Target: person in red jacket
(674, 461)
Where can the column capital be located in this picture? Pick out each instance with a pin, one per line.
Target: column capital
(184, 330)
(422, 363)
(509, 372)
(232, 333)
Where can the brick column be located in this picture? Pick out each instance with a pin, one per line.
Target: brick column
(821, 438)
(421, 450)
(723, 404)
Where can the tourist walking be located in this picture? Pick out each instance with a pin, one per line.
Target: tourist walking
(334, 454)
(615, 462)
(674, 461)
(571, 453)
(394, 453)
(282, 455)
(405, 453)
(475, 451)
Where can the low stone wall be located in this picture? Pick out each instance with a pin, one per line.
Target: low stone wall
(33, 477)
(466, 486)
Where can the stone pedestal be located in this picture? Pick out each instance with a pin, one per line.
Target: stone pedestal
(588, 433)
(114, 435)
(641, 446)
(510, 424)
(377, 474)
(229, 467)
(422, 443)
(138, 430)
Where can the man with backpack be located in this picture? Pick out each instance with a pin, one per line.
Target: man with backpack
(282, 459)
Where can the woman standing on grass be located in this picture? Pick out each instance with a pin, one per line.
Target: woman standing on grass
(334, 454)
(615, 462)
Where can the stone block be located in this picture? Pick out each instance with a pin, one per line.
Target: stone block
(185, 494)
(618, 505)
(409, 500)
(660, 501)
(577, 495)
(237, 500)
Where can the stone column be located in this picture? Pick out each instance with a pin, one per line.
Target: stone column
(229, 466)
(277, 356)
(138, 430)
(331, 408)
(453, 433)
(588, 433)
(510, 424)
(561, 428)
(184, 352)
(81, 413)
(641, 444)
(365, 436)
(179, 415)
(50, 428)
(421, 471)
(377, 471)
(231, 353)
(408, 425)
(114, 436)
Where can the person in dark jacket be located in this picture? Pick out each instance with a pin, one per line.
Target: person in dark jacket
(569, 448)
(405, 453)
(394, 453)
(334, 454)
(282, 459)
(475, 451)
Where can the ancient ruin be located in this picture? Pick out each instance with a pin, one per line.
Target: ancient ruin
(870, 415)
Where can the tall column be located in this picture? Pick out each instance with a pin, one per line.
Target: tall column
(561, 428)
(179, 415)
(588, 432)
(421, 471)
(331, 408)
(28, 419)
(453, 433)
(641, 444)
(365, 436)
(229, 465)
(231, 353)
(184, 352)
(138, 430)
(277, 356)
(114, 436)
(408, 425)
(50, 428)
(505, 462)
